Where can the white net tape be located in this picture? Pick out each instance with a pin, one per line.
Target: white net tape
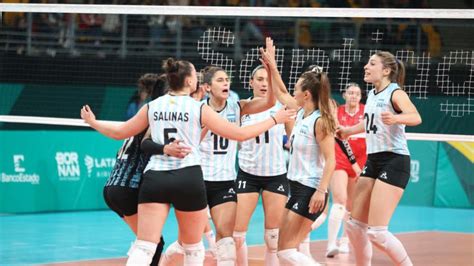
(81, 123)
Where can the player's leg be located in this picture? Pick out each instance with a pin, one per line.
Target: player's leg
(356, 226)
(337, 212)
(387, 192)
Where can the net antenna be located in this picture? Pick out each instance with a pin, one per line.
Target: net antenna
(251, 61)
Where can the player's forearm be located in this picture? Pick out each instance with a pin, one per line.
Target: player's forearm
(329, 166)
(109, 129)
(409, 119)
(280, 91)
(346, 148)
(252, 131)
(359, 128)
(151, 147)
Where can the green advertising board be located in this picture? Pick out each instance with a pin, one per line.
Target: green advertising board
(420, 189)
(54, 170)
(47, 170)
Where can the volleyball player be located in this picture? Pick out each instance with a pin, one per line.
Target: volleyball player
(121, 189)
(169, 180)
(312, 158)
(175, 252)
(350, 158)
(387, 170)
(262, 170)
(219, 155)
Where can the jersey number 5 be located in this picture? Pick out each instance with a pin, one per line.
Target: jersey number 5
(170, 134)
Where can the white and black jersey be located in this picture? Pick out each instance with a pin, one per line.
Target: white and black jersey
(264, 154)
(306, 163)
(175, 117)
(218, 154)
(129, 165)
(379, 136)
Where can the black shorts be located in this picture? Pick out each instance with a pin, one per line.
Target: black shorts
(219, 192)
(388, 167)
(121, 200)
(299, 199)
(183, 188)
(248, 183)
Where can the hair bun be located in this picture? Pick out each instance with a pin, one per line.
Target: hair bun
(170, 65)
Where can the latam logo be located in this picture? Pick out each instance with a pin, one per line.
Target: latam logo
(98, 167)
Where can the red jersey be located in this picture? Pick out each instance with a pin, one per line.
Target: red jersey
(357, 144)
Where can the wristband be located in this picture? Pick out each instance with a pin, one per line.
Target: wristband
(274, 120)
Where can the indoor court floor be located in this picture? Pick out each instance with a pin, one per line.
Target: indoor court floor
(432, 236)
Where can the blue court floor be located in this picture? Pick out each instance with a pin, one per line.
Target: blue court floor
(72, 236)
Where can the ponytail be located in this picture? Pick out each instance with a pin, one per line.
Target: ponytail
(326, 106)
(401, 73)
(318, 84)
(397, 68)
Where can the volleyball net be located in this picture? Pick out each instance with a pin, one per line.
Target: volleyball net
(56, 58)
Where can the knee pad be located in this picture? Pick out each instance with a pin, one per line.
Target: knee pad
(141, 253)
(378, 236)
(271, 239)
(194, 253)
(174, 253)
(239, 238)
(174, 248)
(226, 250)
(354, 227)
(337, 212)
(290, 257)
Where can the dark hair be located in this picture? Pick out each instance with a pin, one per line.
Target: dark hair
(397, 68)
(209, 72)
(317, 83)
(160, 88)
(176, 72)
(146, 82)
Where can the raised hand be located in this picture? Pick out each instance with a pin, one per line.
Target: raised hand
(87, 115)
(268, 54)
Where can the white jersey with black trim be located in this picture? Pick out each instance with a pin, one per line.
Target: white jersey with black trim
(218, 153)
(263, 155)
(379, 136)
(306, 163)
(170, 118)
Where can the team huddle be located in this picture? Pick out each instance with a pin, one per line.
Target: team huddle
(182, 148)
